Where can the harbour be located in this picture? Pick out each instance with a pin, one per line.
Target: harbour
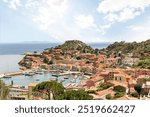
(23, 78)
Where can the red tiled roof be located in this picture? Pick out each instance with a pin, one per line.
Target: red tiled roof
(90, 83)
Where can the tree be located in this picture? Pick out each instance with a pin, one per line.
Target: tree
(96, 51)
(119, 94)
(50, 88)
(119, 88)
(4, 91)
(134, 94)
(109, 97)
(51, 61)
(105, 85)
(138, 88)
(75, 95)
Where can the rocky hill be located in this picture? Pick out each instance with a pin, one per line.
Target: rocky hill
(76, 45)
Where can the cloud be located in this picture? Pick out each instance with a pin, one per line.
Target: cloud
(103, 28)
(55, 18)
(122, 10)
(139, 32)
(84, 21)
(135, 28)
(50, 12)
(14, 4)
(88, 22)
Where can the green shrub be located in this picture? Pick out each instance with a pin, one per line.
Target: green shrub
(134, 94)
(119, 88)
(103, 86)
(109, 97)
(91, 91)
(119, 94)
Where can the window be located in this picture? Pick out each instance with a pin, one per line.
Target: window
(120, 78)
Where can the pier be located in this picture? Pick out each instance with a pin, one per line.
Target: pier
(4, 75)
(67, 73)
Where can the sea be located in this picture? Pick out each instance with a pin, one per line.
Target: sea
(21, 48)
(11, 54)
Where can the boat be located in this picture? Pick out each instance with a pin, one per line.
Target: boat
(73, 84)
(53, 79)
(46, 72)
(73, 80)
(40, 73)
(76, 76)
(56, 75)
(66, 78)
(6, 76)
(37, 79)
(29, 74)
(61, 81)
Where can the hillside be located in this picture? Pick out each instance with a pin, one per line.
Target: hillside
(124, 47)
(76, 45)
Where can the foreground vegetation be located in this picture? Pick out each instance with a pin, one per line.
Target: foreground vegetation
(54, 90)
(4, 91)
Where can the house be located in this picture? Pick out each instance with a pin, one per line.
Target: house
(30, 88)
(17, 93)
(89, 84)
(146, 87)
(139, 72)
(120, 77)
(101, 58)
(97, 79)
(108, 75)
(111, 61)
(129, 61)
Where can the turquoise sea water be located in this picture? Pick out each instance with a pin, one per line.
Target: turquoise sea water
(23, 80)
(9, 63)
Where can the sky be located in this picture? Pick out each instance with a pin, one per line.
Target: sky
(86, 20)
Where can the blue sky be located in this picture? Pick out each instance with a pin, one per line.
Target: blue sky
(85, 20)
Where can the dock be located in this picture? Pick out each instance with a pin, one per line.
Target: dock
(11, 74)
(67, 73)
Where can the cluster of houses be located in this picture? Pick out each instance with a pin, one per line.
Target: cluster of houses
(99, 67)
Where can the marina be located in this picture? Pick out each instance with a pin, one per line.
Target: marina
(24, 78)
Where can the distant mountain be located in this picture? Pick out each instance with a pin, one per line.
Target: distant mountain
(124, 47)
(72, 45)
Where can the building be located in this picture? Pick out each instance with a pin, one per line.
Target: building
(146, 87)
(30, 88)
